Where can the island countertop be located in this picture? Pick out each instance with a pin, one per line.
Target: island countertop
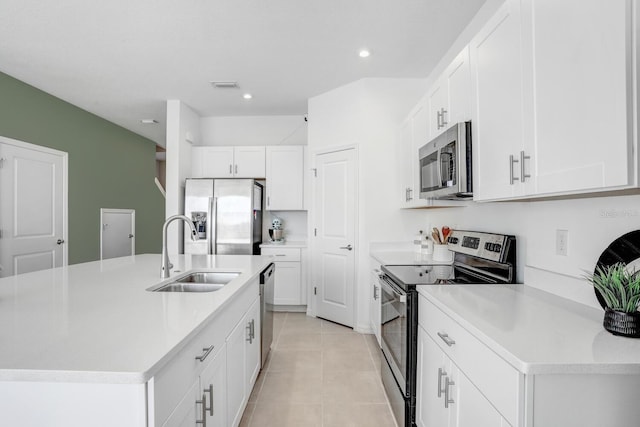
(96, 322)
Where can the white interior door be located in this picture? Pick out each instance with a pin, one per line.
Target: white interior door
(32, 207)
(117, 233)
(335, 208)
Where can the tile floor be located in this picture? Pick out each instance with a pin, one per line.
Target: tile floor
(318, 374)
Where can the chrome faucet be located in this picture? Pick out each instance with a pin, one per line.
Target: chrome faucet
(166, 265)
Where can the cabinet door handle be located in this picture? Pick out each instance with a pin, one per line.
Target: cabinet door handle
(447, 340)
(410, 194)
(249, 337)
(268, 200)
(236, 170)
(230, 169)
(210, 391)
(202, 402)
(523, 175)
(375, 292)
(441, 373)
(512, 178)
(438, 118)
(253, 328)
(447, 384)
(444, 122)
(205, 353)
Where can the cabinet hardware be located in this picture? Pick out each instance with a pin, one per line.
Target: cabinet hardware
(202, 402)
(230, 169)
(443, 112)
(410, 194)
(348, 247)
(210, 391)
(281, 254)
(236, 171)
(447, 340)
(447, 384)
(253, 329)
(375, 293)
(441, 373)
(268, 201)
(249, 337)
(315, 290)
(205, 353)
(438, 119)
(523, 175)
(512, 178)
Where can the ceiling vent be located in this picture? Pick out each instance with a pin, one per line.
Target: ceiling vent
(224, 85)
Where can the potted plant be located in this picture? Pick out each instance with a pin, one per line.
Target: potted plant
(620, 290)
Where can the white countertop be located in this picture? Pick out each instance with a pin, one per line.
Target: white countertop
(537, 332)
(286, 244)
(96, 322)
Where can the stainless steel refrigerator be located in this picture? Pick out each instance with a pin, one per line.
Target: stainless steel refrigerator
(227, 214)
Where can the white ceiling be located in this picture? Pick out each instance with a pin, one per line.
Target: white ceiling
(122, 59)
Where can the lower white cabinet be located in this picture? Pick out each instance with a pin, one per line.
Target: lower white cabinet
(243, 362)
(374, 306)
(445, 396)
(205, 399)
(289, 286)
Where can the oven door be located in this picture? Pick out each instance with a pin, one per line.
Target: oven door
(393, 330)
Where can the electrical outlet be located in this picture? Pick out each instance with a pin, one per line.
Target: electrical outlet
(562, 242)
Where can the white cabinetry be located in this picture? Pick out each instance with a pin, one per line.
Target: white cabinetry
(449, 99)
(194, 383)
(228, 162)
(446, 397)
(289, 286)
(447, 102)
(375, 306)
(552, 111)
(243, 362)
(285, 178)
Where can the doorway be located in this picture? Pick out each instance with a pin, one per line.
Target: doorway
(117, 233)
(335, 202)
(33, 207)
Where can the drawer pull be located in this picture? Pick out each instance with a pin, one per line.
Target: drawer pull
(441, 373)
(445, 337)
(210, 391)
(205, 353)
(447, 383)
(281, 254)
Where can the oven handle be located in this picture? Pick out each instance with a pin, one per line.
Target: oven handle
(386, 284)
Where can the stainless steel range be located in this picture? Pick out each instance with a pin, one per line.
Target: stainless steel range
(479, 258)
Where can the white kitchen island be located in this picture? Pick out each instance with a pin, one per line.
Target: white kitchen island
(89, 345)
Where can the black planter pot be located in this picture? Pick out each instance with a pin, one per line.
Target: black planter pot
(621, 323)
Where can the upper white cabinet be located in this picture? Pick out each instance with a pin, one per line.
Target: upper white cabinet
(553, 91)
(228, 162)
(285, 178)
(449, 99)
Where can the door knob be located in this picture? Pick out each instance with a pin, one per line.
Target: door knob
(348, 247)
(131, 236)
(60, 241)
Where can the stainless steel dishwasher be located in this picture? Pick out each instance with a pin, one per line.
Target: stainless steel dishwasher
(267, 281)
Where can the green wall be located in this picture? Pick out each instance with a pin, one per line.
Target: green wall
(109, 166)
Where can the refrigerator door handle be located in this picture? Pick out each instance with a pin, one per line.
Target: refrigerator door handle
(214, 225)
(209, 225)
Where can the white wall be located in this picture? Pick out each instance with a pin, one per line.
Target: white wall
(365, 113)
(253, 130)
(593, 223)
(294, 224)
(183, 130)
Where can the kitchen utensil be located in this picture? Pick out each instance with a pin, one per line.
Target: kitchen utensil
(436, 236)
(446, 231)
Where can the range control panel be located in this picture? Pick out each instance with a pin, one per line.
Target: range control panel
(484, 245)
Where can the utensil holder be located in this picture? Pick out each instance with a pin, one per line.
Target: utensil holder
(441, 253)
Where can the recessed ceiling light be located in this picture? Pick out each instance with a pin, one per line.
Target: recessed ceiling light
(364, 53)
(247, 96)
(149, 121)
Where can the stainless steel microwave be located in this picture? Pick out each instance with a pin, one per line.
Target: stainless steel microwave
(445, 165)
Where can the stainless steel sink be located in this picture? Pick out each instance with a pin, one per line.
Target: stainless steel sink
(199, 281)
(215, 277)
